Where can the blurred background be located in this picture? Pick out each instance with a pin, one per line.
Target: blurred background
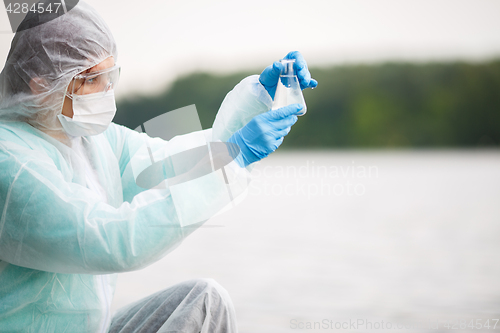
(382, 205)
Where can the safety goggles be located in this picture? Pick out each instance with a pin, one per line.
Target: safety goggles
(99, 82)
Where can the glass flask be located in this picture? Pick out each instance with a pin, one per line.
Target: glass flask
(288, 90)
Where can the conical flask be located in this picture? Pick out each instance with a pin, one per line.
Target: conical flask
(288, 90)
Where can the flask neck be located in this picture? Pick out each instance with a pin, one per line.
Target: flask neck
(288, 69)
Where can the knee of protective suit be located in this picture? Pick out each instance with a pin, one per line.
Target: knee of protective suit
(219, 306)
(204, 306)
(215, 289)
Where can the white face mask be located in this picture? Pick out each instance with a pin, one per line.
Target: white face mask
(92, 114)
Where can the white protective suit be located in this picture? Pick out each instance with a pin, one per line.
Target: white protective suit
(71, 214)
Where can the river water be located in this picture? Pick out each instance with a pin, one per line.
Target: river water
(353, 240)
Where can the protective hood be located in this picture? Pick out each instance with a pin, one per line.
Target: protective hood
(44, 58)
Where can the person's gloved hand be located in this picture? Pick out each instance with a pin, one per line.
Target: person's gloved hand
(270, 75)
(264, 133)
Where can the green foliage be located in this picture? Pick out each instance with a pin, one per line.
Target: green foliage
(390, 105)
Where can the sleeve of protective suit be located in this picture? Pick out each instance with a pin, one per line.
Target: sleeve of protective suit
(248, 99)
(200, 185)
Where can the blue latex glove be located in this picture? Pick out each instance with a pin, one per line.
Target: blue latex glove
(264, 133)
(270, 75)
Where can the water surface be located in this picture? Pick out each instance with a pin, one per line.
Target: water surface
(327, 237)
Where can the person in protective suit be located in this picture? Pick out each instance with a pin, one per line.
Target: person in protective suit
(71, 212)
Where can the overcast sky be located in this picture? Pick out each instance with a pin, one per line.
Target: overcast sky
(159, 40)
